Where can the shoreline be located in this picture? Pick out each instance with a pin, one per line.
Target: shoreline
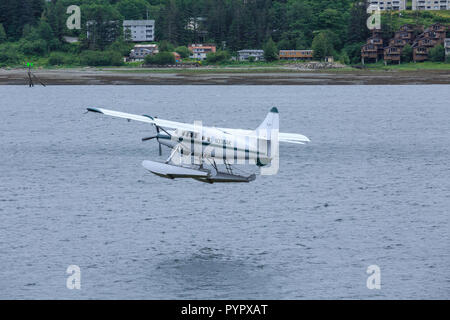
(231, 76)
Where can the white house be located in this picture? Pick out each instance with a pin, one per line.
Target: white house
(140, 51)
(244, 55)
(200, 51)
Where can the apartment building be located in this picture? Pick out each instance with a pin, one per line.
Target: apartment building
(431, 4)
(139, 30)
(389, 4)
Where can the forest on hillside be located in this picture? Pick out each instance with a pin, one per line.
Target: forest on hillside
(333, 27)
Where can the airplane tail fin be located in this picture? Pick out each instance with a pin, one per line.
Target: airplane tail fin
(271, 122)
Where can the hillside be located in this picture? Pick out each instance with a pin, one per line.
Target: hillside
(35, 30)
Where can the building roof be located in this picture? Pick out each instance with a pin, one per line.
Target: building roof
(251, 51)
(146, 46)
(138, 22)
(201, 45)
(296, 50)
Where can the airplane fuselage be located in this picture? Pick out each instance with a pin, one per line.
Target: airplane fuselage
(212, 143)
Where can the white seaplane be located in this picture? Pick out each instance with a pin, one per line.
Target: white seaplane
(195, 147)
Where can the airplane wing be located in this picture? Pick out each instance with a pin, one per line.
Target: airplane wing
(144, 118)
(282, 137)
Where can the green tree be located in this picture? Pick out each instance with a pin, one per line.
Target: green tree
(301, 18)
(407, 53)
(162, 58)
(121, 47)
(98, 58)
(172, 22)
(55, 14)
(183, 51)
(104, 25)
(166, 46)
(10, 54)
(14, 15)
(354, 52)
(357, 23)
(2, 34)
(322, 46)
(127, 36)
(217, 57)
(270, 51)
(45, 32)
(132, 9)
(56, 59)
(33, 47)
(437, 53)
(344, 58)
(285, 44)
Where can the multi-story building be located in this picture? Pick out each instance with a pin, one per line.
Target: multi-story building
(431, 4)
(139, 30)
(392, 54)
(419, 39)
(404, 36)
(406, 33)
(431, 37)
(296, 54)
(447, 47)
(140, 51)
(199, 51)
(373, 49)
(389, 4)
(244, 55)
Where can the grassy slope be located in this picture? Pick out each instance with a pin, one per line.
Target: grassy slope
(411, 66)
(425, 18)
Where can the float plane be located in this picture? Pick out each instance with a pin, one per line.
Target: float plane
(196, 147)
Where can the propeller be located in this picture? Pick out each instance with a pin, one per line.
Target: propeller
(153, 137)
(149, 138)
(159, 143)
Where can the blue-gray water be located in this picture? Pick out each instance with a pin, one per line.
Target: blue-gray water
(373, 187)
